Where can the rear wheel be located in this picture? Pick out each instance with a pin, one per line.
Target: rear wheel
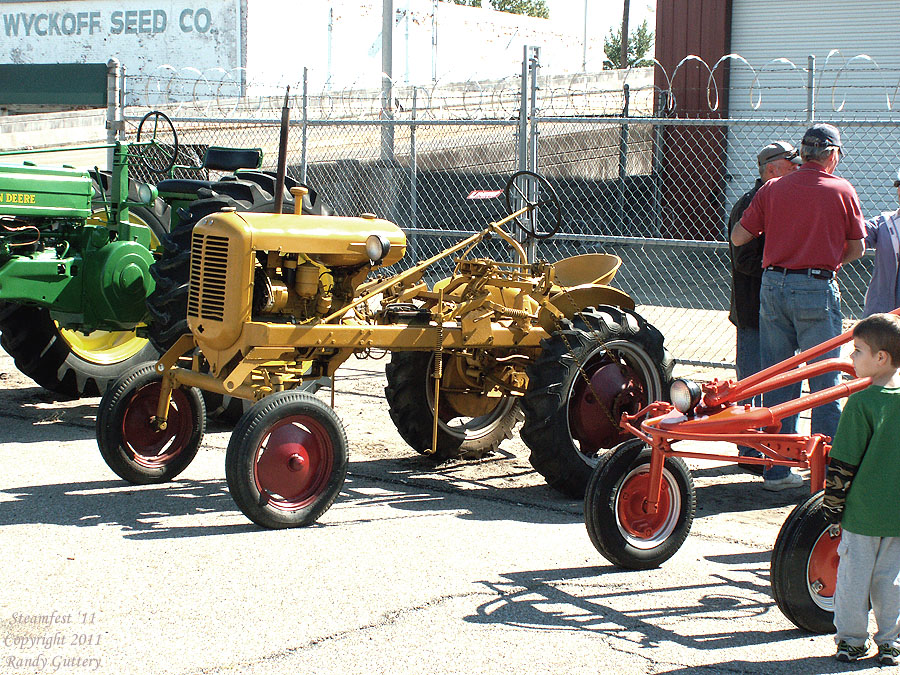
(286, 460)
(69, 362)
(132, 445)
(470, 424)
(605, 362)
(615, 509)
(804, 567)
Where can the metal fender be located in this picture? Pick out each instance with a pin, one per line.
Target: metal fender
(589, 268)
(568, 303)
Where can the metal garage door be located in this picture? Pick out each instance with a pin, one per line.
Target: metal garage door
(776, 38)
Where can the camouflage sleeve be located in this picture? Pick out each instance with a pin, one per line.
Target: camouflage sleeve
(837, 485)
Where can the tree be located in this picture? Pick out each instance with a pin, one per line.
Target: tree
(640, 40)
(536, 8)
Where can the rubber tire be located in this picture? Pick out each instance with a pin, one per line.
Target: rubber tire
(114, 406)
(553, 377)
(601, 507)
(32, 338)
(246, 440)
(790, 559)
(409, 393)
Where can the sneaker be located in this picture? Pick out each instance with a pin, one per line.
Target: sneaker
(847, 653)
(755, 469)
(792, 480)
(888, 655)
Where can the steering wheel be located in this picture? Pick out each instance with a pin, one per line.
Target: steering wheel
(157, 144)
(536, 193)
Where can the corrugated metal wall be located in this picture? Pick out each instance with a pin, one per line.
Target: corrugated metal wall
(768, 33)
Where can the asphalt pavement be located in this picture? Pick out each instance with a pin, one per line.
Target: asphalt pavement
(468, 567)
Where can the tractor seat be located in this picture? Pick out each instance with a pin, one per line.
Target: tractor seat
(215, 159)
(189, 186)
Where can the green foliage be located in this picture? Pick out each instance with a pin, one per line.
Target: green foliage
(640, 40)
(536, 8)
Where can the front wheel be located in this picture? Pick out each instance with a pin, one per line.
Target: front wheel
(131, 443)
(287, 460)
(604, 362)
(615, 508)
(804, 567)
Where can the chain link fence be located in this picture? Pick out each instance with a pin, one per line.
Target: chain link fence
(654, 190)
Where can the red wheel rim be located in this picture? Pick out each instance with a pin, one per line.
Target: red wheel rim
(595, 410)
(821, 570)
(151, 447)
(293, 463)
(642, 529)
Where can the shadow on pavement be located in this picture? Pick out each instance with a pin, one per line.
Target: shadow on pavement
(413, 488)
(139, 510)
(582, 599)
(817, 665)
(48, 417)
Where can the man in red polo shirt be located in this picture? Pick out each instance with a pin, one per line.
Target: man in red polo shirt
(813, 224)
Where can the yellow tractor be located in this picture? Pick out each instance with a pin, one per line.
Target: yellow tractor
(274, 300)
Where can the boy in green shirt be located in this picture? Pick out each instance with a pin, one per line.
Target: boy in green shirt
(866, 455)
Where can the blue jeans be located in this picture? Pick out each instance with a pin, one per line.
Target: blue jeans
(797, 312)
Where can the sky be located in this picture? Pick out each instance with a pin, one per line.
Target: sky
(603, 14)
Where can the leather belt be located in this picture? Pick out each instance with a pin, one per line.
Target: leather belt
(810, 272)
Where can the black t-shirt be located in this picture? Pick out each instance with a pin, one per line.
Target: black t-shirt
(746, 269)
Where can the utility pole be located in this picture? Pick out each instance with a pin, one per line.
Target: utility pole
(623, 61)
(387, 78)
(584, 44)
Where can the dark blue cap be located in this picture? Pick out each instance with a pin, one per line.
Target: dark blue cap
(822, 136)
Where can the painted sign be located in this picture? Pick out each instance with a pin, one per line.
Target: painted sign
(147, 36)
(484, 194)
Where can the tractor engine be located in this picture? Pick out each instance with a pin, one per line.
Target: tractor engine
(279, 268)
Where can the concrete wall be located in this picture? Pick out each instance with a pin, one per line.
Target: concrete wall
(53, 129)
(340, 42)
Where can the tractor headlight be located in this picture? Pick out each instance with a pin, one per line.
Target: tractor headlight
(377, 247)
(685, 395)
(147, 194)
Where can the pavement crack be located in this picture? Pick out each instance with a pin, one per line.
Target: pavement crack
(386, 619)
(429, 483)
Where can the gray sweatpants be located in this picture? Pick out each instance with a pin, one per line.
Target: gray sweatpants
(869, 569)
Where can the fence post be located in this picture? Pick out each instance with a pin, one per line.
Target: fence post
(113, 118)
(523, 115)
(623, 158)
(810, 88)
(413, 176)
(304, 126)
(658, 141)
(535, 67)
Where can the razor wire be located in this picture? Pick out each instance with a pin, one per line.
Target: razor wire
(635, 179)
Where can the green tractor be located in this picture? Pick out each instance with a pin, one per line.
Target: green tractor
(77, 296)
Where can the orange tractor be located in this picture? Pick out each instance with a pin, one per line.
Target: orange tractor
(640, 501)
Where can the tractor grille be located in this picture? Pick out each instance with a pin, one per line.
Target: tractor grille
(209, 262)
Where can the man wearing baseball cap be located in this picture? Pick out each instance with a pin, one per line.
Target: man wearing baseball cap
(813, 224)
(774, 161)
